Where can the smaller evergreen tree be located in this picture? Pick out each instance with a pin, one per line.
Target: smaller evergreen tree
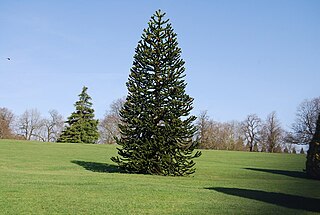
(301, 151)
(313, 154)
(81, 125)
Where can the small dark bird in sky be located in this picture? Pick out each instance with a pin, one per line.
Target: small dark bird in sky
(8, 58)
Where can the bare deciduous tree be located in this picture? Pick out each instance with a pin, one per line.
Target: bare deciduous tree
(305, 123)
(204, 126)
(236, 138)
(29, 124)
(217, 135)
(251, 127)
(272, 133)
(108, 126)
(6, 122)
(288, 144)
(51, 127)
(116, 106)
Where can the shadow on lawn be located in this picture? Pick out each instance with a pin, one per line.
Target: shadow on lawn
(280, 199)
(98, 167)
(295, 174)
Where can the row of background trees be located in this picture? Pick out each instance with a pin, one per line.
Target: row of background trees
(255, 134)
(30, 125)
(251, 134)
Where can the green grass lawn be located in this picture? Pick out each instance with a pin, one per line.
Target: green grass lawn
(51, 178)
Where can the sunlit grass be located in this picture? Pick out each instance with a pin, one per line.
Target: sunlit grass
(50, 178)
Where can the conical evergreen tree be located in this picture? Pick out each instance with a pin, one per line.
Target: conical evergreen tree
(313, 154)
(157, 131)
(82, 127)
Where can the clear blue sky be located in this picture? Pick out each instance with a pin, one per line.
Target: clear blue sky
(242, 57)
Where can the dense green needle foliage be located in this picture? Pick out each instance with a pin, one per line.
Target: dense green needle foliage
(157, 130)
(81, 125)
(313, 155)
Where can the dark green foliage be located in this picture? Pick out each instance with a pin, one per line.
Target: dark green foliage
(313, 154)
(301, 151)
(82, 127)
(157, 131)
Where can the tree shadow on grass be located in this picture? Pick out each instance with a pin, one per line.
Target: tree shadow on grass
(280, 199)
(295, 174)
(98, 167)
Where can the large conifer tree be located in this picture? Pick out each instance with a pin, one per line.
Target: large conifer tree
(313, 155)
(157, 131)
(81, 125)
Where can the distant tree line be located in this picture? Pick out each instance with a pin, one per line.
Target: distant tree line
(251, 134)
(257, 135)
(30, 125)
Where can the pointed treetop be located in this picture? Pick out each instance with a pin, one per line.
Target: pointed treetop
(81, 126)
(84, 98)
(157, 130)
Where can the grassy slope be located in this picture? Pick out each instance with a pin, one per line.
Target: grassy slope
(47, 178)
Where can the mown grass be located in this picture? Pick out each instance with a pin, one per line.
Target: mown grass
(51, 178)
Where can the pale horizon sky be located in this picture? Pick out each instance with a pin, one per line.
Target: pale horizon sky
(242, 57)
